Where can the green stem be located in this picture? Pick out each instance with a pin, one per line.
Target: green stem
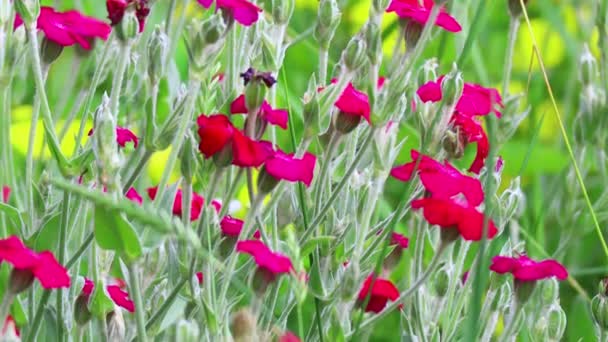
(166, 304)
(119, 76)
(83, 248)
(230, 192)
(323, 58)
(137, 170)
(5, 306)
(179, 139)
(29, 165)
(135, 291)
(389, 308)
(33, 331)
(63, 227)
(510, 330)
(5, 121)
(508, 66)
(301, 321)
(322, 180)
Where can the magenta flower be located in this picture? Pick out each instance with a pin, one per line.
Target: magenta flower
(441, 180)
(288, 336)
(6, 193)
(430, 91)
(283, 166)
(353, 102)
(196, 205)
(69, 28)
(28, 264)
(525, 269)
(116, 11)
(123, 136)
(120, 297)
(400, 241)
(420, 12)
(471, 131)
(243, 11)
(271, 263)
(134, 196)
(382, 291)
(199, 277)
(277, 117)
(231, 226)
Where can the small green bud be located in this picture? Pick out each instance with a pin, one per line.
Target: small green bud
(105, 147)
(128, 27)
(256, 86)
(549, 291)
(282, 10)
(28, 10)
(373, 40)
(328, 19)
(350, 282)
(354, 54)
(50, 51)
(515, 7)
(188, 159)
(556, 319)
(441, 282)
(452, 86)
(157, 53)
(211, 31)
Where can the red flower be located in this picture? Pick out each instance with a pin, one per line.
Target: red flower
(273, 263)
(442, 180)
(449, 214)
(116, 11)
(272, 116)
(120, 297)
(382, 291)
(353, 102)
(465, 277)
(199, 276)
(43, 266)
(288, 336)
(69, 28)
(196, 205)
(471, 131)
(526, 269)
(10, 326)
(474, 101)
(242, 11)
(399, 240)
(6, 193)
(284, 166)
(123, 136)
(231, 226)
(217, 134)
(134, 196)
(87, 288)
(420, 13)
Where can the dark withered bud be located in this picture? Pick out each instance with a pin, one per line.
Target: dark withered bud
(515, 7)
(20, 280)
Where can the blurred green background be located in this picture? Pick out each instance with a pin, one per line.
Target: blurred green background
(536, 153)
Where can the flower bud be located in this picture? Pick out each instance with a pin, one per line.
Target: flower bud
(524, 290)
(187, 331)
(115, 324)
(556, 319)
(350, 282)
(188, 159)
(128, 27)
(256, 85)
(211, 31)
(282, 10)
(328, 19)
(441, 282)
(549, 291)
(599, 311)
(373, 41)
(28, 10)
(266, 182)
(452, 86)
(354, 54)
(50, 51)
(453, 145)
(105, 147)
(412, 32)
(157, 52)
(243, 325)
(515, 7)
(82, 314)
(20, 280)
(346, 123)
(588, 66)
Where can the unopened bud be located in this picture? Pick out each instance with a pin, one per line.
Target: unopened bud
(187, 331)
(20, 280)
(266, 182)
(82, 314)
(556, 319)
(282, 10)
(188, 159)
(28, 10)
(412, 33)
(441, 282)
(524, 290)
(354, 54)
(328, 19)
(549, 291)
(515, 7)
(105, 147)
(452, 86)
(350, 282)
(243, 325)
(115, 323)
(346, 123)
(50, 51)
(211, 31)
(373, 40)
(157, 52)
(128, 27)
(256, 87)
(453, 145)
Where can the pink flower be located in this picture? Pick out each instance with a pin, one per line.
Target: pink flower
(500, 163)
(69, 28)
(420, 13)
(196, 205)
(382, 291)
(30, 264)
(474, 101)
(465, 277)
(217, 205)
(116, 11)
(471, 131)
(288, 336)
(449, 214)
(218, 135)
(199, 277)
(243, 11)
(284, 166)
(353, 102)
(6, 193)
(87, 288)
(120, 297)
(526, 269)
(123, 136)
(134, 196)
(399, 240)
(231, 226)
(274, 264)
(441, 180)
(278, 117)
